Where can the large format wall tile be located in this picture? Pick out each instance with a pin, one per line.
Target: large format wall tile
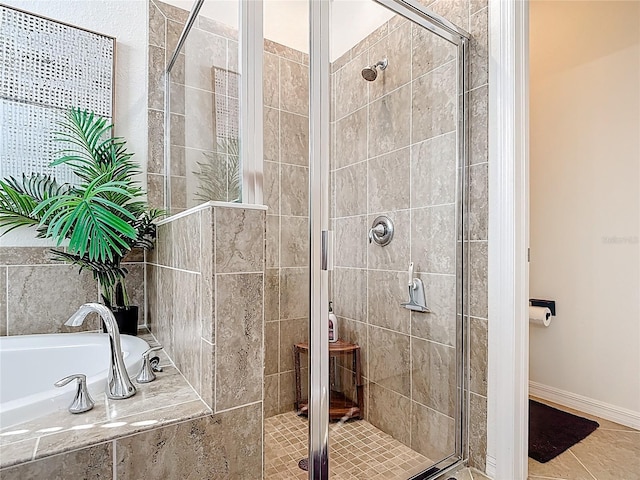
(294, 87)
(429, 51)
(478, 268)
(294, 190)
(387, 290)
(239, 340)
(479, 360)
(271, 387)
(294, 249)
(93, 462)
(396, 48)
(187, 324)
(433, 233)
(351, 238)
(478, 202)
(156, 26)
(207, 373)
(456, 11)
(350, 293)
(271, 87)
(477, 431)
(389, 362)
(439, 324)
(271, 347)
(26, 256)
(34, 296)
(433, 166)
(434, 375)
(294, 293)
(479, 68)
(271, 138)
(390, 412)
(351, 139)
(388, 182)
(432, 433)
(291, 332)
(351, 190)
(294, 138)
(272, 295)
(227, 445)
(478, 125)
(434, 103)
(389, 123)
(351, 89)
(239, 240)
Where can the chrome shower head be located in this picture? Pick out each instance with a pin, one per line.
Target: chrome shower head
(371, 73)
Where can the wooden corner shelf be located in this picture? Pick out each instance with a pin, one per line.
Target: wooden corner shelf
(340, 406)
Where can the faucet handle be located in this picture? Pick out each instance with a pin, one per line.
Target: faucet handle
(147, 374)
(82, 402)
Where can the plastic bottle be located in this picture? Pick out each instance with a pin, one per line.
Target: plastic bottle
(333, 325)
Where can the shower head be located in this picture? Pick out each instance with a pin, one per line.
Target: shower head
(371, 73)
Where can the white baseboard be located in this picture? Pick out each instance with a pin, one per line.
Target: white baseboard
(607, 411)
(491, 466)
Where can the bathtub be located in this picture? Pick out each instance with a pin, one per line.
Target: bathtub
(31, 364)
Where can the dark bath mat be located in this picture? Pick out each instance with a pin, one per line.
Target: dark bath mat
(304, 464)
(552, 431)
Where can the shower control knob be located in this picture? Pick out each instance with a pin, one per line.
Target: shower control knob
(381, 231)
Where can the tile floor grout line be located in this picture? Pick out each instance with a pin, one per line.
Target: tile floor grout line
(583, 465)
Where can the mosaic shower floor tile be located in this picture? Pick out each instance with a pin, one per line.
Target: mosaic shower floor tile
(358, 451)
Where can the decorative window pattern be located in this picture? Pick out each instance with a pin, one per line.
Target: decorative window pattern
(227, 115)
(47, 68)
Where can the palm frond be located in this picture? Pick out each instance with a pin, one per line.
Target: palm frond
(219, 175)
(102, 217)
(19, 198)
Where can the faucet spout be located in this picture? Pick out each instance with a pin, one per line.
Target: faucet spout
(119, 385)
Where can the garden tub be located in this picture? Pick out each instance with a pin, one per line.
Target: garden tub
(31, 364)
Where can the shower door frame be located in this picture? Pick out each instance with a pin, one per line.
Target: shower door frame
(321, 244)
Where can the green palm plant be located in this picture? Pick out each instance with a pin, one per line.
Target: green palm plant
(219, 175)
(102, 217)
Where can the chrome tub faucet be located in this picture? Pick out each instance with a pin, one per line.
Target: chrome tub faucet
(119, 385)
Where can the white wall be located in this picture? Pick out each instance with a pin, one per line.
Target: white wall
(585, 200)
(127, 21)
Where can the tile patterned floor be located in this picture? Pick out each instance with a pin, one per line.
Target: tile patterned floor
(612, 452)
(359, 451)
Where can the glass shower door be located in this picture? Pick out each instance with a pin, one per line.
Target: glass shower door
(388, 157)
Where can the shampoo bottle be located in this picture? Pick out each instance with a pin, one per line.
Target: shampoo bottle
(333, 325)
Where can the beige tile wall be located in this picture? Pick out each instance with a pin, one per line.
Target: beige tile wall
(205, 301)
(286, 179)
(223, 445)
(394, 152)
(37, 295)
(195, 95)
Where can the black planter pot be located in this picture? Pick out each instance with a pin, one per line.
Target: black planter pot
(126, 318)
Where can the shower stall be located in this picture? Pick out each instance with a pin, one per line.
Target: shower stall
(350, 121)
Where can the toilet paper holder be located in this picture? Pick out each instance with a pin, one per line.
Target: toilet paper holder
(550, 304)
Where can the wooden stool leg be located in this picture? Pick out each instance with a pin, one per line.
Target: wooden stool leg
(359, 386)
(296, 364)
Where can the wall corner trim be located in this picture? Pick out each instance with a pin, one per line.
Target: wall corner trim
(508, 276)
(591, 406)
